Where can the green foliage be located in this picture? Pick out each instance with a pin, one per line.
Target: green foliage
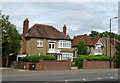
(82, 48)
(10, 37)
(118, 57)
(35, 58)
(63, 60)
(104, 34)
(73, 64)
(79, 59)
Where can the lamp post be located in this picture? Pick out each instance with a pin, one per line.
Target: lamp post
(110, 37)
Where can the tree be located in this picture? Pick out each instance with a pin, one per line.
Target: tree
(82, 48)
(10, 38)
(104, 34)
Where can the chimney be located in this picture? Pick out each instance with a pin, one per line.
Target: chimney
(64, 29)
(24, 41)
(25, 26)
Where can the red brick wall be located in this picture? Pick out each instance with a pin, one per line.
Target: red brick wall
(54, 65)
(97, 64)
(44, 65)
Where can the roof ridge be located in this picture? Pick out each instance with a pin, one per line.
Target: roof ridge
(44, 25)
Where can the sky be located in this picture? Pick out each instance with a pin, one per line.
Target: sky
(79, 17)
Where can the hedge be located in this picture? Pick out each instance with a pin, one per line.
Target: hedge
(78, 60)
(35, 58)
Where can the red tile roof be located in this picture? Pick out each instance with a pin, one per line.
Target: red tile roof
(46, 31)
(91, 41)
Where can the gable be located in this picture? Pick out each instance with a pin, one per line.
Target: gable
(100, 42)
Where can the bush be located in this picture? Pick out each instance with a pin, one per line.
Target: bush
(35, 58)
(73, 64)
(63, 60)
(117, 60)
(78, 60)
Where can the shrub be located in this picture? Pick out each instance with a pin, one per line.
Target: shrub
(63, 60)
(35, 58)
(78, 60)
(73, 64)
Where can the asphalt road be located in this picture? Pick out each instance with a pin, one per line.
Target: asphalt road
(60, 75)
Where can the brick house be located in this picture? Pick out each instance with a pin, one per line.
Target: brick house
(114, 44)
(96, 45)
(45, 39)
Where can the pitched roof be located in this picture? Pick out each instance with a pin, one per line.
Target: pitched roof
(46, 31)
(91, 41)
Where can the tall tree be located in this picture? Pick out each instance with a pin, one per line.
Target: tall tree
(10, 38)
(82, 48)
(104, 34)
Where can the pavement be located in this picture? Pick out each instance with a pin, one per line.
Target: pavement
(60, 75)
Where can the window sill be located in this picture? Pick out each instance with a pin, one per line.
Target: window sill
(39, 47)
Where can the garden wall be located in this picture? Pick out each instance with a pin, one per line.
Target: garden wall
(54, 65)
(43, 65)
(97, 64)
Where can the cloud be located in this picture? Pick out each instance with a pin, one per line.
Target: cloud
(80, 17)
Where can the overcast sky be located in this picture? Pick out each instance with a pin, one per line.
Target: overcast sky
(80, 17)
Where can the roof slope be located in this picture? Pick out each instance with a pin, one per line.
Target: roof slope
(91, 41)
(46, 31)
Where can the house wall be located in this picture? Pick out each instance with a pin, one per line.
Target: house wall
(32, 46)
(33, 49)
(106, 49)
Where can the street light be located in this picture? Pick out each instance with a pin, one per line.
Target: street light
(110, 38)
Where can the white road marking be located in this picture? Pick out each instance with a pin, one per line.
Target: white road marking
(111, 77)
(98, 78)
(84, 79)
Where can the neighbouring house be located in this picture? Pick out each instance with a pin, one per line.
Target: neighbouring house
(45, 39)
(95, 44)
(114, 44)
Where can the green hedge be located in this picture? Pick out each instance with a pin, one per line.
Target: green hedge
(78, 60)
(73, 64)
(35, 58)
(117, 60)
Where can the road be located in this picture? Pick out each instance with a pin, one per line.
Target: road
(60, 75)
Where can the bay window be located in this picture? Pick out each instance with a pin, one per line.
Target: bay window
(64, 44)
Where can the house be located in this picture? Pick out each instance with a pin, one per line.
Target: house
(45, 39)
(95, 44)
(114, 45)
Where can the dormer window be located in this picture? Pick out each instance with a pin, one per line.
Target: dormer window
(39, 43)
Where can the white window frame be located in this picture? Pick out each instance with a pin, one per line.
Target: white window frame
(64, 44)
(67, 56)
(39, 43)
(97, 48)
